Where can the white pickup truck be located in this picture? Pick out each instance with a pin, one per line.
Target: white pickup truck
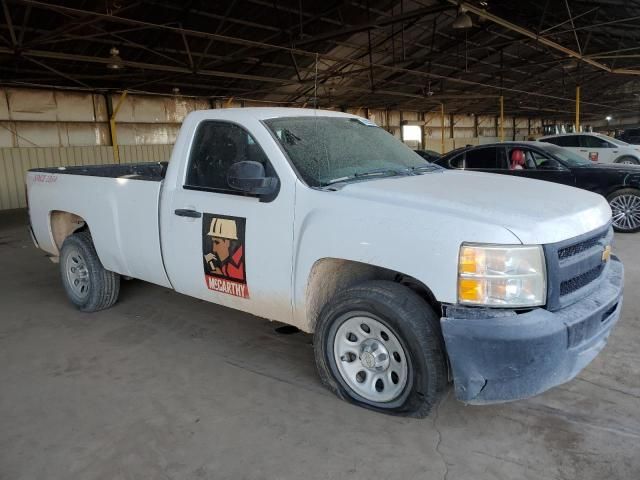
(409, 276)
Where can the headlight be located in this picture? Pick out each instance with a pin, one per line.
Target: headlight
(502, 275)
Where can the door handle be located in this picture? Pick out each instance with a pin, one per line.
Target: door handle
(583, 150)
(184, 212)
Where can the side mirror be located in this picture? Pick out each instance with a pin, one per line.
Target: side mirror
(250, 177)
(550, 165)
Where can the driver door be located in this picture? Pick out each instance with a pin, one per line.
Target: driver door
(222, 245)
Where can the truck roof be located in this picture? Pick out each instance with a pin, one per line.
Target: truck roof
(265, 113)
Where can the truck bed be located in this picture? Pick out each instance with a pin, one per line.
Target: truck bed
(152, 172)
(118, 203)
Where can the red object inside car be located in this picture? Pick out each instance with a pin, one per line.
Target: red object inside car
(517, 159)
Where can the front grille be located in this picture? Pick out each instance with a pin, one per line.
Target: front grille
(580, 247)
(574, 266)
(580, 281)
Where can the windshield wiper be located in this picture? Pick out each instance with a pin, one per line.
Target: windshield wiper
(381, 172)
(428, 167)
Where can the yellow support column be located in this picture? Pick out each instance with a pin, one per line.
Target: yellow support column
(577, 108)
(112, 124)
(442, 128)
(501, 118)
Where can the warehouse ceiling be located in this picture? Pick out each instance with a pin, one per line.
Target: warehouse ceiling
(404, 54)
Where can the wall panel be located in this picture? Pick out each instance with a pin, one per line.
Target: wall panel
(14, 163)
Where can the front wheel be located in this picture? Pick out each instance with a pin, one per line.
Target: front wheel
(625, 210)
(378, 345)
(628, 161)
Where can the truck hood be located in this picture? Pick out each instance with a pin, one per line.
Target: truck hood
(537, 212)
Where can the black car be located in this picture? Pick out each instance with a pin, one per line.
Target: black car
(428, 155)
(618, 183)
(630, 135)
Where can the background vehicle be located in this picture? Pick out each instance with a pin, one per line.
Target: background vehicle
(597, 147)
(619, 184)
(630, 136)
(428, 155)
(324, 221)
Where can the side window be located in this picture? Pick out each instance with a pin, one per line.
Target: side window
(542, 162)
(457, 161)
(568, 141)
(217, 146)
(590, 141)
(486, 158)
(535, 159)
(553, 140)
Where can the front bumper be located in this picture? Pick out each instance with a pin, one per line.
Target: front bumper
(498, 356)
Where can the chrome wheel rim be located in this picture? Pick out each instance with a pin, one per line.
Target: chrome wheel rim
(370, 359)
(77, 273)
(628, 162)
(625, 210)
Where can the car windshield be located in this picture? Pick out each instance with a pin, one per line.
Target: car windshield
(566, 156)
(327, 150)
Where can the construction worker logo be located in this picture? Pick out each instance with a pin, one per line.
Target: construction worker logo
(223, 251)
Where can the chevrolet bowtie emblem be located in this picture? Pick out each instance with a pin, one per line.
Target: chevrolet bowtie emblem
(606, 253)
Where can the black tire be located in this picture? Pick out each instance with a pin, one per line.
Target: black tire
(616, 201)
(101, 286)
(415, 325)
(627, 159)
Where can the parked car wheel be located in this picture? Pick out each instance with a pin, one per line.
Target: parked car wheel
(379, 345)
(89, 286)
(625, 210)
(627, 160)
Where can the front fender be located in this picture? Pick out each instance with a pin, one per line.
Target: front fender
(419, 243)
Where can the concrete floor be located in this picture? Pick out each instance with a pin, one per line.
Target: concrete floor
(163, 386)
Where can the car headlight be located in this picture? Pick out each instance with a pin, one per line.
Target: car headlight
(502, 275)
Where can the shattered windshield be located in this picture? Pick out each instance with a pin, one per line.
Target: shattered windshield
(326, 150)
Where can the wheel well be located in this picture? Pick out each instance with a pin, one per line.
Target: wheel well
(64, 224)
(617, 188)
(331, 275)
(622, 157)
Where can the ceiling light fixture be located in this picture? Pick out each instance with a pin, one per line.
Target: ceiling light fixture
(115, 61)
(463, 20)
(608, 118)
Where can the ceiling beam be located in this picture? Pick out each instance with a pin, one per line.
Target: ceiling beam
(543, 40)
(7, 15)
(379, 23)
(247, 43)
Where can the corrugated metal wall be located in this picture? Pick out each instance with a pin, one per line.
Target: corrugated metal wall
(14, 163)
(46, 128)
(47, 118)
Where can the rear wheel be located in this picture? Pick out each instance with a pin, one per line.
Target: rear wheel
(378, 345)
(627, 161)
(89, 286)
(625, 210)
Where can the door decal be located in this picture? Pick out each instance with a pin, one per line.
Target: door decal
(223, 252)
